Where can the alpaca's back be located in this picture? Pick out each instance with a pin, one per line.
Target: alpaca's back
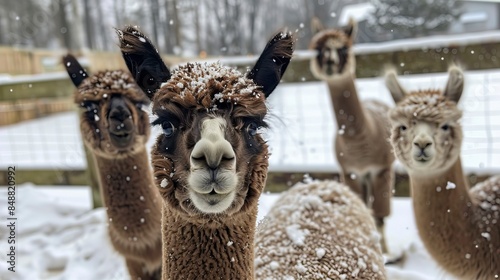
(320, 230)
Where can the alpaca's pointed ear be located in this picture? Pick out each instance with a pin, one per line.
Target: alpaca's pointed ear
(143, 60)
(455, 84)
(273, 62)
(392, 83)
(75, 71)
(316, 25)
(351, 29)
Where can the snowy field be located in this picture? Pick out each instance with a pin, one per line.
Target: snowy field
(60, 237)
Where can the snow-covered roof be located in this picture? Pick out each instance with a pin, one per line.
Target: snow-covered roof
(303, 125)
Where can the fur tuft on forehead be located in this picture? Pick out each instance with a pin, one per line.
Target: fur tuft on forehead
(105, 83)
(211, 86)
(430, 106)
(320, 38)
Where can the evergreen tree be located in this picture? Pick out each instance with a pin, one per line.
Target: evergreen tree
(413, 18)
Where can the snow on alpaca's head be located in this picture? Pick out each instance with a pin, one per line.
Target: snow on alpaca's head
(211, 87)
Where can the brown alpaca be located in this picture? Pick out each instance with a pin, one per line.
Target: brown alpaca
(361, 143)
(210, 163)
(116, 129)
(320, 230)
(460, 227)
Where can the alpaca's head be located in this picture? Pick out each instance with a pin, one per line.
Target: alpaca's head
(335, 57)
(111, 121)
(426, 133)
(210, 161)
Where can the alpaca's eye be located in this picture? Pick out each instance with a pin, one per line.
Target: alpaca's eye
(89, 105)
(445, 127)
(168, 129)
(252, 129)
(402, 128)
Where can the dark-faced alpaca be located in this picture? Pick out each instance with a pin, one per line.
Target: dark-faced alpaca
(210, 163)
(361, 142)
(459, 226)
(116, 130)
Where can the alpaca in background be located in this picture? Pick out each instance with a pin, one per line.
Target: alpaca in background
(115, 129)
(361, 142)
(459, 226)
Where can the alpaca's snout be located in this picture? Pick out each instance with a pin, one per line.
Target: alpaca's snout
(120, 122)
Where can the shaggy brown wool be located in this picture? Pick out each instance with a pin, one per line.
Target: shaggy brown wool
(200, 244)
(318, 230)
(126, 182)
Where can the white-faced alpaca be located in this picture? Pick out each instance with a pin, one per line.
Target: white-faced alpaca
(460, 227)
(210, 163)
(361, 142)
(320, 230)
(115, 129)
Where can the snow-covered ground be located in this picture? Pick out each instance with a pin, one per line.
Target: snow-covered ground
(59, 236)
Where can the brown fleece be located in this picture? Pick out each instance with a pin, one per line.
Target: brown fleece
(125, 179)
(202, 237)
(318, 230)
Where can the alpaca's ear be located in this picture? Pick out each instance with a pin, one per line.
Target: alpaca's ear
(273, 62)
(143, 60)
(455, 84)
(351, 29)
(393, 85)
(74, 69)
(316, 25)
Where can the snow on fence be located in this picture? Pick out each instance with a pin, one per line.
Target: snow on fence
(302, 127)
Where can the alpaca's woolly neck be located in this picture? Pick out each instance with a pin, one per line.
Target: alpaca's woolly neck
(221, 251)
(349, 113)
(133, 206)
(452, 225)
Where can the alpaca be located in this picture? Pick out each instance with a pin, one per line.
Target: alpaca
(319, 230)
(361, 143)
(115, 129)
(210, 163)
(459, 226)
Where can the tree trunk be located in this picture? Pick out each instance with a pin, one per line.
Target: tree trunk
(88, 25)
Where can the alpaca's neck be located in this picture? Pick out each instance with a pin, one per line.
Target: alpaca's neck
(348, 110)
(128, 192)
(208, 251)
(445, 217)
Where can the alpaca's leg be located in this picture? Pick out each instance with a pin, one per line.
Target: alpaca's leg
(354, 182)
(138, 271)
(382, 192)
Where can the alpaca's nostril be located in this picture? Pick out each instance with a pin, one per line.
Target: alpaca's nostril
(422, 145)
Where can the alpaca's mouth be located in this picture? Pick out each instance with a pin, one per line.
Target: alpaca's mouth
(422, 159)
(121, 139)
(212, 202)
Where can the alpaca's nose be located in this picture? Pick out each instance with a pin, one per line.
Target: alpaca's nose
(212, 154)
(118, 110)
(119, 117)
(213, 151)
(422, 144)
